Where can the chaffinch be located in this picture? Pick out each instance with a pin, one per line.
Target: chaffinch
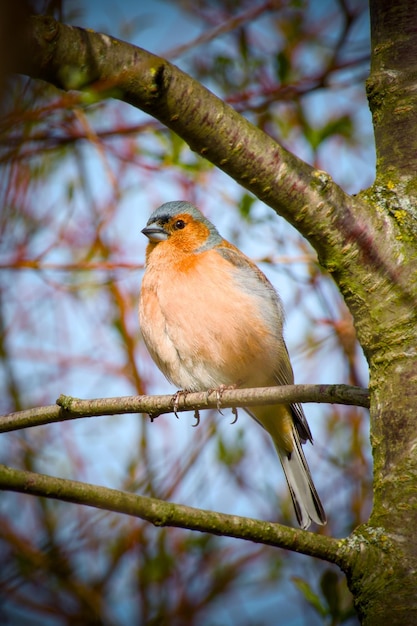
(211, 319)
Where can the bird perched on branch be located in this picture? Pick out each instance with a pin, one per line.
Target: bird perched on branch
(211, 319)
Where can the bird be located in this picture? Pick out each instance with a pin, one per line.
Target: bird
(211, 319)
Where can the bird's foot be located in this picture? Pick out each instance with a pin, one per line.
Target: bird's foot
(175, 400)
(219, 391)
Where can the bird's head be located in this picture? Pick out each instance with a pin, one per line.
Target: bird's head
(182, 225)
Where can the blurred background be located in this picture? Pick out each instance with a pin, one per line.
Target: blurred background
(79, 177)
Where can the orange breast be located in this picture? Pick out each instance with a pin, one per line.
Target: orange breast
(203, 326)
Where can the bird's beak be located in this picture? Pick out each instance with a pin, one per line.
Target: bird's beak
(155, 233)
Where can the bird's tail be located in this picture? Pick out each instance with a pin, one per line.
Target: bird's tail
(305, 498)
(287, 427)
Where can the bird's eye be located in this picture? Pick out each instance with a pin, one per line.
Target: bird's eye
(179, 225)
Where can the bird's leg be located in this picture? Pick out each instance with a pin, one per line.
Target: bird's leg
(175, 400)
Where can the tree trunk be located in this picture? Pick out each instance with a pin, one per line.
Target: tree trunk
(383, 576)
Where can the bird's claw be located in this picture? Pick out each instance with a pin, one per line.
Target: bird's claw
(219, 391)
(236, 415)
(197, 418)
(175, 400)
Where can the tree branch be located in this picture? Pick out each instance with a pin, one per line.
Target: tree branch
(68, 407)
(74, 58)
(352, 241)
(162, 513)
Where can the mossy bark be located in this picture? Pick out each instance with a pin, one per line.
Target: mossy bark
(383, 574)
